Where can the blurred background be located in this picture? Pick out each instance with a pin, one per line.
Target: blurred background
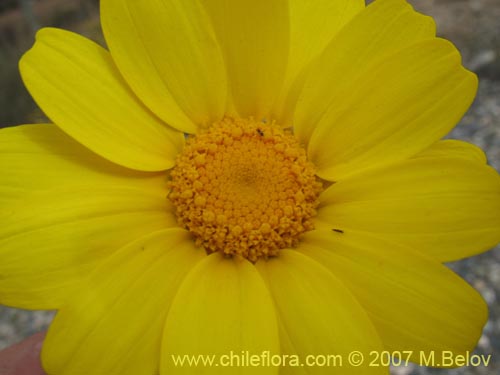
(472, 25)
(19, 20)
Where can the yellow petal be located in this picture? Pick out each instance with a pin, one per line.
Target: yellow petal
(114, 323)
(254, 37)
(312, 26)
(416, 303)
(448, 208)
(42, 157)
(453, 148)
(402, 106)
(77, 85)
(381, 29)
(222, 307)
(317, 314)
(51, 240)
(168, 53)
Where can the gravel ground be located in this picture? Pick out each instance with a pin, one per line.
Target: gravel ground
(474, 27)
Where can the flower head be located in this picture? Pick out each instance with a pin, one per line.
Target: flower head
(307, 212)
(244, 188)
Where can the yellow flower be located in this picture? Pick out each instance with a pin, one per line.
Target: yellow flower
(322, 241)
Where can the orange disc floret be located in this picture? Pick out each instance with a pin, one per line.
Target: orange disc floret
(244, 188)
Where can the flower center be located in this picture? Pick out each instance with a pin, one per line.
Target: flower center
(244, 188)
